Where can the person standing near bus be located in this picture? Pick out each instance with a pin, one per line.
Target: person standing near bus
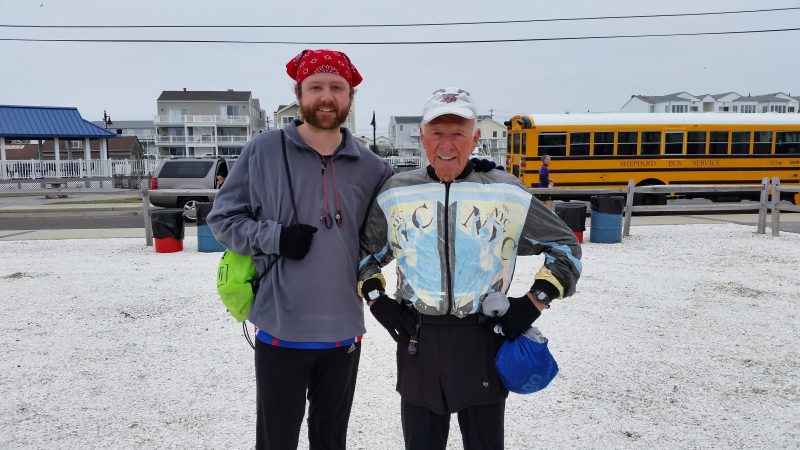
(544, 181)
(307, 309)
(456, 233)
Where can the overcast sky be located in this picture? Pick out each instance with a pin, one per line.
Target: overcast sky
(504, 78)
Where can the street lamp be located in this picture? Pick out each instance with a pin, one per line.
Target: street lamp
(107, 119)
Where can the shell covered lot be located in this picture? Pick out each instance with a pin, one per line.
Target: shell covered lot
(679, 337)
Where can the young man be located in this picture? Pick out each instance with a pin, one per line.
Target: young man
(301, 224)
(455, 234)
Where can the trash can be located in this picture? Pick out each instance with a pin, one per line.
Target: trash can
(206, 242)
(167, 230)
(574, 215)
(606, 219)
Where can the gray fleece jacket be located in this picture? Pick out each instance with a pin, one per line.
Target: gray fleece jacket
(313, 299)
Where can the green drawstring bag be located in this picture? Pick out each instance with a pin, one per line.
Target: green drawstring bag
(237, 284)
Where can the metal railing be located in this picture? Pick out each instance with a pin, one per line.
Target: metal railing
(203, 119)
(769, 193)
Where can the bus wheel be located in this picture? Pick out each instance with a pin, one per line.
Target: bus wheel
(650, 199)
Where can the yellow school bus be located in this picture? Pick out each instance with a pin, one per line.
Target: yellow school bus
(605, 150)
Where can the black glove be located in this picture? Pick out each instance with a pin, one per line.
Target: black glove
(396, 318)
(519, 317)
(483, 165)
(296, 240)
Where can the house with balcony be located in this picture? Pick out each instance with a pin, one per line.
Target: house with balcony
(493, 136)
(404, 135)
(286, 114)
(194, 123)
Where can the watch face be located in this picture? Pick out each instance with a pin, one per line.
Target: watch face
(541, 296)
(373, 294)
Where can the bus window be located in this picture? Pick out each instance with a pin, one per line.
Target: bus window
(579, 144)
(626, 142)
(762, 142)
(696, 142)
(740, 142)
(673, 143)
(651, 142)
(524, 148)
(718, 145)
(509, 149)
(515, 148)
(787, 142)
(553, 144)
(603, 143)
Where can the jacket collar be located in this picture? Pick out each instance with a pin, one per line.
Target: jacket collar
(348, 147)
(464, 173)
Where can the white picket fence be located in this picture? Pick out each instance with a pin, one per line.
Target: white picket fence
(76, 168)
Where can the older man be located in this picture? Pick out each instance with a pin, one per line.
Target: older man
(295, 201)
(455, 234)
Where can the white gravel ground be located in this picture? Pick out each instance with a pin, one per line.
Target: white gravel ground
(680, 337)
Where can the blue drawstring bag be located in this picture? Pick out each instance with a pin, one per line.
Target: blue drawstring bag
(525, 364)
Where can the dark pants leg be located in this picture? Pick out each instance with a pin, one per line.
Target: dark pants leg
(285, 376)
(281, 379)
(330, 396)
(482, 426)
(423, 429)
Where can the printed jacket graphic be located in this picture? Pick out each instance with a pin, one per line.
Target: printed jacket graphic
(456, 242)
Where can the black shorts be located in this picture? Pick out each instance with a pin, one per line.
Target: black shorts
(453, 368)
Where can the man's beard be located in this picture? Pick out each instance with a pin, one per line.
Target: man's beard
(326, 122)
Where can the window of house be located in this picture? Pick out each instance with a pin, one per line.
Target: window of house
(651, 142)
(696, 142)
(652, 108)
(504, 134)
(791, 109)
(626, 143)
(579, 144)
(75, 144)
(494, 134)
(694, 108)
(603, 143)
(764, 109)
(740, 142)
(401, 128)
(762, 142)
(553, 144)
(735, 108)
(229, 110)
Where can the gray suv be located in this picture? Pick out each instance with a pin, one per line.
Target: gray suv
(201, 172)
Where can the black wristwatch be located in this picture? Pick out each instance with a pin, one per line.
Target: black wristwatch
(373, 294)
(542, 297)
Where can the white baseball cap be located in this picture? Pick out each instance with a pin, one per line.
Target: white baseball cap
(450, 100)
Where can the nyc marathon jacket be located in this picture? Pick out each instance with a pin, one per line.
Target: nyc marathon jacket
(456, 242)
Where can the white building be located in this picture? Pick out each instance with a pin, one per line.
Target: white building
(404, 135)
(190, 123)
(493, 136)
(683, 102)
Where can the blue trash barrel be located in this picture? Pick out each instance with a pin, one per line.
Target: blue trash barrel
(206, 242)
(606, 219)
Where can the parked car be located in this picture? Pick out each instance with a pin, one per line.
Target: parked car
(201, 172)
(404, 167)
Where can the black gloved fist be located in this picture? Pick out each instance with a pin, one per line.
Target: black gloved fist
(483, 165)
(519, 317)
(398, 319)
(296, 240)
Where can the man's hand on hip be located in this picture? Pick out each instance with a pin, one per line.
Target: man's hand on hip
(296, 240)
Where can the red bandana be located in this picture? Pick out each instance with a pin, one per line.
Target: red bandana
(309, 62)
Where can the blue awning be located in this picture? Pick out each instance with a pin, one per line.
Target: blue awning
(34, 122)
